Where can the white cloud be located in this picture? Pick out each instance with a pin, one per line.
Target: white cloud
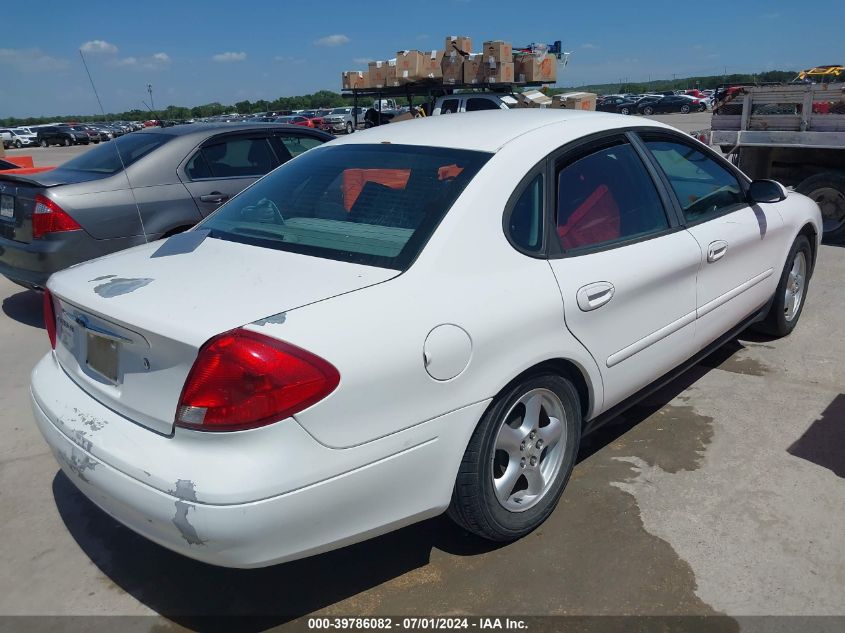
(30, 59)
(156, 61)
(363, 60)
(332, 40)
(289, 60)
(229, 57)
(98, 46)
(589, 46)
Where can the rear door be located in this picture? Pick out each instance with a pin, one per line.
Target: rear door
(741, 243)
(625, 268)
(225, 165)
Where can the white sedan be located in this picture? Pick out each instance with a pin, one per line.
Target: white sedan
(426, 316)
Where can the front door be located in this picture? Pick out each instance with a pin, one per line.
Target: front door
(741, 243)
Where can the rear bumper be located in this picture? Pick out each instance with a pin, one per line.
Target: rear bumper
(374, 488)
(31, 264)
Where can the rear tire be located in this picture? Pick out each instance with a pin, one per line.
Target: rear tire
(827, 189)
(684, 109)
(648, 111)
(510, 479)
(625, 111)
(791, 293)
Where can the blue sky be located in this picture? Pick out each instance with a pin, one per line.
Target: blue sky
(197, 52)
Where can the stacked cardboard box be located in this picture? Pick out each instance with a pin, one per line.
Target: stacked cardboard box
(382, 74)
(460, 43)
(456, 64)
(533, 99)
(497, 59)
(575, 101)
(452, 67)
(528, 68)
(355, 79)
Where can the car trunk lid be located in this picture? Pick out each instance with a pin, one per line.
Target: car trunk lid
(130, 325)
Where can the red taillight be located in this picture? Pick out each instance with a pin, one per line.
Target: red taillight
(48, 217)
(242, 380)
(50, 317)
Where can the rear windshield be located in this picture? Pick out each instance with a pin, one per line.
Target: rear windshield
(113, 156)
(370, 204)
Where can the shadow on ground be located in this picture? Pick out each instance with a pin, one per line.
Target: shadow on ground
(823, 442)
(195, 595)
(25, 307)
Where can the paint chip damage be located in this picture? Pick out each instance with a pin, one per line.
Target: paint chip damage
(117, 286)
(185, 491)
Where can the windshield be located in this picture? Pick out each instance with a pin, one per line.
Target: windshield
(369, 204)
(339, 111)
(20, 132)
(104, 159)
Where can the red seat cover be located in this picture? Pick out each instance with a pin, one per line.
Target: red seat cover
(596, 220)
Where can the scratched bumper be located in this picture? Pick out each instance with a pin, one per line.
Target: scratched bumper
(123, 468)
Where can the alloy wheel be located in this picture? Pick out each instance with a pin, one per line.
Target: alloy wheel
(529, 450)
(795, 284)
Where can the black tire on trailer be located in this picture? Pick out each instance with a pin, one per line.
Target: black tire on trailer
(827, 189)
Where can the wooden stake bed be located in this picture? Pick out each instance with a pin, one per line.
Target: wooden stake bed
(792, 115)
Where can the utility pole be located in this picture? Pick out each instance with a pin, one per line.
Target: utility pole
(152, 103)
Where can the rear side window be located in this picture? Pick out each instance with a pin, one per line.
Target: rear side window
(606, 197)
(525, 224)
(704, 188)
(109, 158)
(475, 103)
(369, 204)
(296, 145)
(232, 158)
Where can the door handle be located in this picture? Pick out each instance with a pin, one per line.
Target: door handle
(214, 197)
(595, 295)
(716, 250)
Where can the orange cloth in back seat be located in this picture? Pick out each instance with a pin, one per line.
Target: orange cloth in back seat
(596, 220)
(355, 179)
(20, 161)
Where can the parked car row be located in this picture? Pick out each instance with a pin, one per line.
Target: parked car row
(648, 104)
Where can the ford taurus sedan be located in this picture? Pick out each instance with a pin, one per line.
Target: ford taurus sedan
(421, 318)
(143, 186)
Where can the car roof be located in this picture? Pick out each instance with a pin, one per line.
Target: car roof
(205, 129)
(490, 130)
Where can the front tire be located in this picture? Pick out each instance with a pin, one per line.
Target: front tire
(791, 291)
(18, 144)
(68, 142)
(349, 127)
(518, 459)
(45, 144)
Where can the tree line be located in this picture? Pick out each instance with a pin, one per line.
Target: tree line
(329, 99)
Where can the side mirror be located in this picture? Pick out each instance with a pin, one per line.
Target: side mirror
(766, 191)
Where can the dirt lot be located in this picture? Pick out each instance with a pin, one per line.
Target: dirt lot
(723, 493)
